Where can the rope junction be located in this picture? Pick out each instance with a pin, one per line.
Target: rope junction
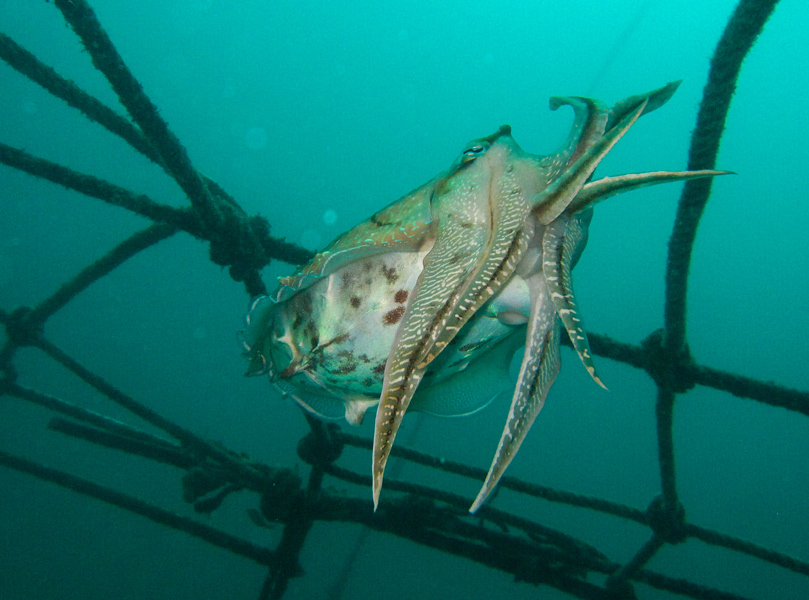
(529, 551)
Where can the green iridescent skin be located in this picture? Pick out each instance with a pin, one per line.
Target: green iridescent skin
(477, 262)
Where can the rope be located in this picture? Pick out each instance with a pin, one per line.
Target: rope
(108, 62)
(741, 32)
(209, 534)
(531, 552)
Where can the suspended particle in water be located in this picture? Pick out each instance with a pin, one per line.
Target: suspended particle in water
(29, 107)
(330, 217)
(256, 138)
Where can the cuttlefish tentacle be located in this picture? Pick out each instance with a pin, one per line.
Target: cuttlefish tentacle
(479, 244)
(539, 368)
(559, 245)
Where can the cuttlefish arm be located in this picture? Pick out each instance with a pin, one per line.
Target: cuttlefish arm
(539, 368)
(601, 189)
(554, 199)
(480, 239)
(483, 222)
(563, 239)
(562, 242)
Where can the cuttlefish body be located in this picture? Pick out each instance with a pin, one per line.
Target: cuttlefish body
(423, 305)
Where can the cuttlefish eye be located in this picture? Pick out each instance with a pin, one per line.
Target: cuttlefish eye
(473, 151)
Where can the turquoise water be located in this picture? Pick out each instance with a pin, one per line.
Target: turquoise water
(316, 115)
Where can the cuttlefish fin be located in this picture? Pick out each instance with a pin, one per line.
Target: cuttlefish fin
(559, 245)
(601, 189)
(478, 245)
(540, 366)
(400, 226)
(554, 199)
(322, 405)
(474, 388)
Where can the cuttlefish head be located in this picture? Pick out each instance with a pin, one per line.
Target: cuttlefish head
(494, 164)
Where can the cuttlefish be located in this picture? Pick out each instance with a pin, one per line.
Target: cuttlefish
(423, 306)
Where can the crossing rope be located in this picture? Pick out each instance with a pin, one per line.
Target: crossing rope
(531, 552)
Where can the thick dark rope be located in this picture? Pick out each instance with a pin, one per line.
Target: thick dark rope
(252, 477)
(746, 387)
(683, 587)
(263, 556)
(671, 350)
(690, 374)
(84, 415)
(732, 543)
(664, 411)
(643, 556)
(322, 448)
(29, 65)
(165, 453)
(98, 188)
(740, 34)
(294, 537)
(506, 482)
(103, 266)
(82, 19)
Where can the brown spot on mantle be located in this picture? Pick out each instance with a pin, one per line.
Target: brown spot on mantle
(393, 316)
(379, 369)
(390, 274)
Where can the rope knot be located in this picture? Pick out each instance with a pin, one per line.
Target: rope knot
(667, 520)
(21, 329)
(322, 447)
(669, 372)
(238, 243)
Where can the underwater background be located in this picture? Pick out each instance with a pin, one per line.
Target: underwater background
(316, 114)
